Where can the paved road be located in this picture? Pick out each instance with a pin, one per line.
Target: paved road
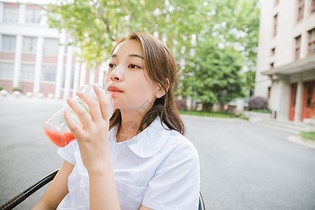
(244, 166)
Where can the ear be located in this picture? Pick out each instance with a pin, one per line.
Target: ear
(161, 92)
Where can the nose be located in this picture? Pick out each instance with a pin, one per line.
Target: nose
(117, 74)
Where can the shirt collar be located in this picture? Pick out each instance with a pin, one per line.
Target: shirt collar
(148, 142)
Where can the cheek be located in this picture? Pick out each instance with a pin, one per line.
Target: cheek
(143, 86)
(106, 79)
(142, 91)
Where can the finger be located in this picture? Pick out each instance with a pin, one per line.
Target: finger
(73, 126)
(93, 105)
(104, 101)
(82, 113)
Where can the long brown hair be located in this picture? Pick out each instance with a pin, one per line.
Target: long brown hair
(161, 66)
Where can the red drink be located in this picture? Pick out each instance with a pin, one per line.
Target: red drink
(56, 127)
(60, 139)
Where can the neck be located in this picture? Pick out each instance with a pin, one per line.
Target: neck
(130, 123)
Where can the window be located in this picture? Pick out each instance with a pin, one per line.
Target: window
(51, 47)
(294, 95)
(27, 72)
(313, 6)
(311, 42)
(309, 95)
(32, 15)
(275, 23)
(6, 70)
(300, 10)
(29, 45)
(8, 43)
(48, 73)
(11, 14)
(273, 51)
(297, 47)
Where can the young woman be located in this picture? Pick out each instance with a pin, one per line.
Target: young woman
(137, 158)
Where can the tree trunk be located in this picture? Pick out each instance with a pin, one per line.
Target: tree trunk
(222, 108)
(207, 107)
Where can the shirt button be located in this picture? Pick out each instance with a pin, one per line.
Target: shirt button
(83, 184)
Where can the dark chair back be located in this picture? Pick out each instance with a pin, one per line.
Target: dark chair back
(29, 191)
(201, 203)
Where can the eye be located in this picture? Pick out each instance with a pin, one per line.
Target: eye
(133, 66)
(111, 65)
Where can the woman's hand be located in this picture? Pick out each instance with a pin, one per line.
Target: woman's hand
(92, 136)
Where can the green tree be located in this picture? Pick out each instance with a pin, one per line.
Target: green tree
(229, 34)
(230, 28)
(96, 25)
(236, 24)
(250, 81)
(217, 77)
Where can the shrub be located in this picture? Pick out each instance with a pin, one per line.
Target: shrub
(1, 88)
(17, 89)
(257, 102)
(308, 135)
(243, 117)
(181, 104)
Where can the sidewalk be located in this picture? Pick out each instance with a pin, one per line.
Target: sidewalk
(23, 98)
(300, 140)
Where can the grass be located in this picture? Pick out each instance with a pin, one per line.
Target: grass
(209, 114)
(308, 135)
(261, 110)
(243, 117)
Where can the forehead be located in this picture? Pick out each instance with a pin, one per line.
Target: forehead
(128, 47)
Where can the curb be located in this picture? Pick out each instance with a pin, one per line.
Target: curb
(302, 141)
(184, 116)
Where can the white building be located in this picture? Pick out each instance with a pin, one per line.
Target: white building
(35, 57)
(286, 58)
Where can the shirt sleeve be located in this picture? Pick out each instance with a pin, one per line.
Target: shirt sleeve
(67, 152)
(176, 183)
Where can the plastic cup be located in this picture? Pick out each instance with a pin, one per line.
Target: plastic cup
(56, 128)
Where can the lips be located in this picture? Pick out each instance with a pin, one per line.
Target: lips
(114, 90)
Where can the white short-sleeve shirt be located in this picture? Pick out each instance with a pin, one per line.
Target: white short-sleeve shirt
(158, 168)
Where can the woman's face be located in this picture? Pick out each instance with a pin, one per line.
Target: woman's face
(128, 80)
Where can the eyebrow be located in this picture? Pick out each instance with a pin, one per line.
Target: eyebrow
(130, 55)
